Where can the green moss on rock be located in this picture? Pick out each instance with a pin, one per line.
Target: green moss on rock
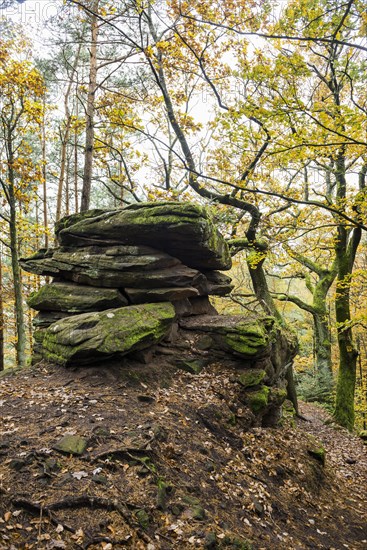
(71, 444)
(258, 400)
(73, 298)
(252, 377)
(38, 335)
(68, 221)
(143, 518)
(89, 337)
(318, 452)
(236, 333)
(247, 339)
(182, 229)
(194, 508)
(194, 366)
(278, 395)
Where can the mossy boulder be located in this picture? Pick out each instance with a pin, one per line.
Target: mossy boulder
(193, 366)
(87, 338)
(236, 334)
(251, 377)
(247, 339)
(193, 508)
(318, 452)
(68, 221)
(258, 400)
(278, 395)
(186, 231)
(73, 298)
(71, 444)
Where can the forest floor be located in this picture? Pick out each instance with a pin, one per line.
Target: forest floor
(165, 466)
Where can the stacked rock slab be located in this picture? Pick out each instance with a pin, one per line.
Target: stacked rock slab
(138, 279)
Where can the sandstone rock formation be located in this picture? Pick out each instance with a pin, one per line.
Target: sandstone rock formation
(137, 281)
(108, 333)
(184, 231)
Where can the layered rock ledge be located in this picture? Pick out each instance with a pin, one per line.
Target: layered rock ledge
(136, 282)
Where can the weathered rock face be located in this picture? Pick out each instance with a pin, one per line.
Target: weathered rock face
(238, 335)
(137, 282)
(70, 298)
(93, 336)
(184, 231)
(125, 267)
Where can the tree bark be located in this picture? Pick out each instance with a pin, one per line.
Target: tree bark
(2, 327)
(44, 178)
(348, 354)
(76, 190)
(90, 113)
(322, 344)
(345, 248)
(262, 293)
(65, 138)
(21, 341)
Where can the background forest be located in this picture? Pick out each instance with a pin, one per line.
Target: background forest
(255, 108)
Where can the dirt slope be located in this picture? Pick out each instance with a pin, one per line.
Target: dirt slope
(167, 465)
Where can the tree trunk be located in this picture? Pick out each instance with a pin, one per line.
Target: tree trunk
(2, 362)
(266, 301)
(344, 403)
(291, 389)
(44, 186)
(67, 188)
(90, 112)
(348, 354)
(60, 187)
(21, 342)
(260, 284)
(76, 191)
(345, 248)
(65, 138)
(322, 344)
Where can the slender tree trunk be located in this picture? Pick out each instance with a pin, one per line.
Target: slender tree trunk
(18, 293)
(76, 190)
(265, 299)
(318, 308)
(60, 187)
(65, 138)
(322, 344)
(67, 188)
(90, 113)
(21, 341)
(346, 248)
(348, 354)
(260, 285)
(44, 186)
(2, 359)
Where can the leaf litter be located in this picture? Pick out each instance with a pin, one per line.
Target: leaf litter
(155, 475)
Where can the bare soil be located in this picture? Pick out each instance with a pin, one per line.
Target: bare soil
(168, 465)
